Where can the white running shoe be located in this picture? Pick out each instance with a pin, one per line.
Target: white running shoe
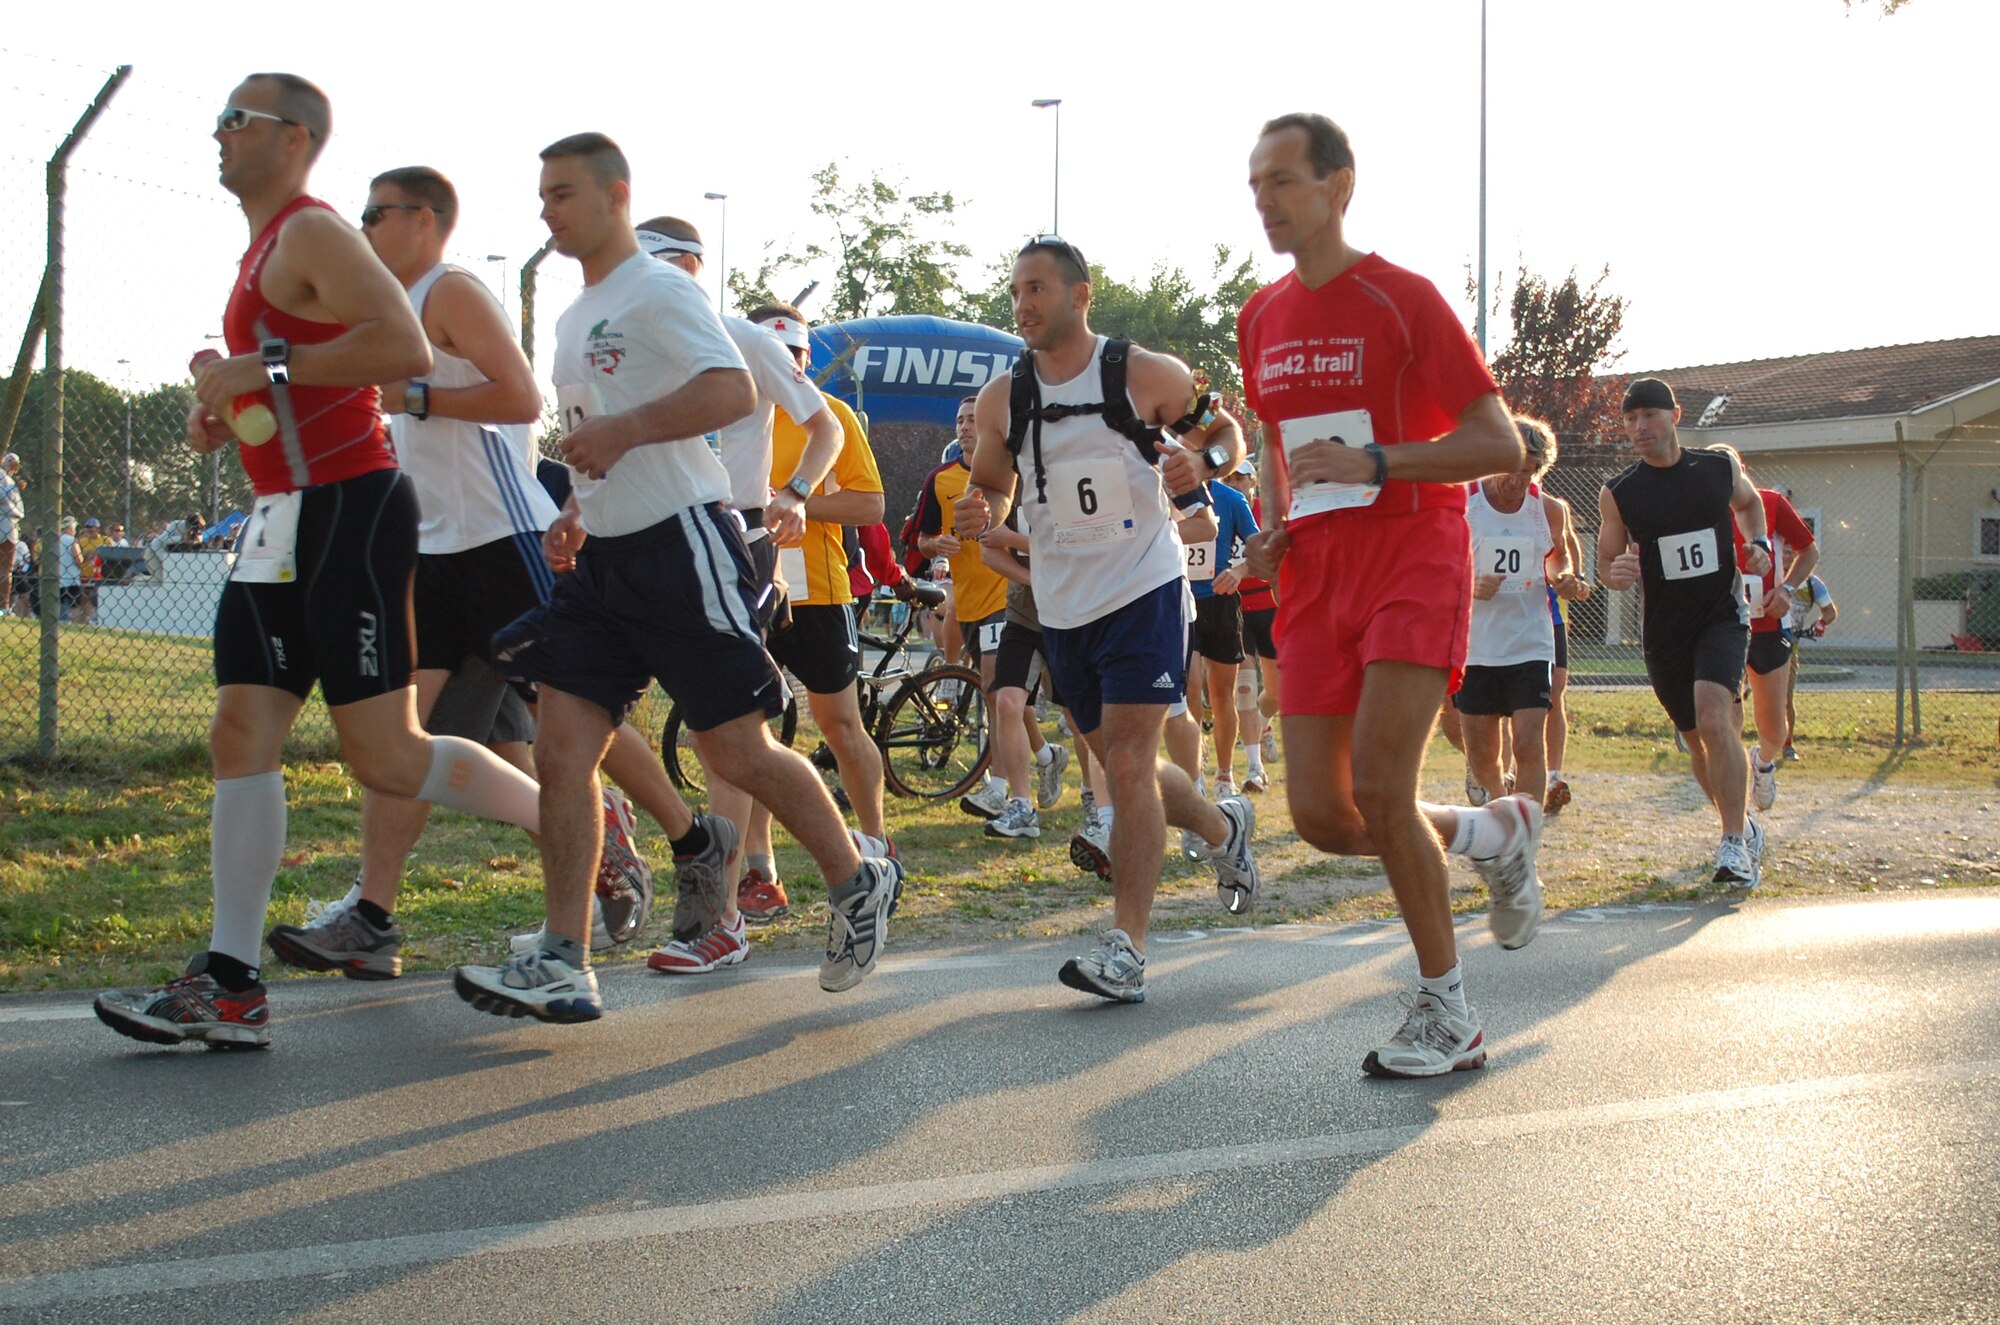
(1270, 745)
(1048, 778)
(1090, 850)
(1114, 969)
(533, 984)
(1475, 795)
(1763, 783)
(1511, 881)
(1193, 845)
(1235, 868)
(318, 912)
(988, 800)
(857, 924)
(1019, 819)
(1431, 1042)
(1255, 781)
(1733, 863)
(1753, 839)
(1224, 789)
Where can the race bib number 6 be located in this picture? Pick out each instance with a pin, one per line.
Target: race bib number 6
(1089, 502)
(1689, 556)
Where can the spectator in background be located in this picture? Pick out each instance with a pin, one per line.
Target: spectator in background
(10, 524)
(27, 588)
(69, 573)
(188, 538)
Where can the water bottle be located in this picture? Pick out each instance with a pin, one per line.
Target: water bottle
(249, 418)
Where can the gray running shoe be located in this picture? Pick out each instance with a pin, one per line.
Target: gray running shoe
(624, 880)
(1753, 840)
(1193, 845)
(1734, 865)
(988, 800)
(1511, 882)
(340, 940)
(857, 926)
(702, 882)
(1020, 819)
(1763, 783)
(1235, 869)
(1048, 778)
(1431, 1042)
(1114, 969)
(534, 984)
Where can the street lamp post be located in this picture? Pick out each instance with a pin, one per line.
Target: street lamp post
(721, 252)
(1055, 104)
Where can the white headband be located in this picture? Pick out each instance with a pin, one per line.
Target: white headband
(790, 332)
(656, 243)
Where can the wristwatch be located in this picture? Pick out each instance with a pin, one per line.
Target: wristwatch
(276, 356)
(798, 487)
(417, 400)
(1217, 456)
(1764, 543)
(1381, 459)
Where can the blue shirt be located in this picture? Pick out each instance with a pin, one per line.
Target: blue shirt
(1234, 525)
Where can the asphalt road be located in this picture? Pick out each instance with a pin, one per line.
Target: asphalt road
(1757, 1112)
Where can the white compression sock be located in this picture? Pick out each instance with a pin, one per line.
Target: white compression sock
(472, 778)
(1448, 989)
(1482, 832)
(246, 840)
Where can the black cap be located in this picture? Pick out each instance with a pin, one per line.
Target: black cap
(1649, 393)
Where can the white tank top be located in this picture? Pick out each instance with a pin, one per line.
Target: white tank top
(475, 481)
(1105, 535)
(1513, 626)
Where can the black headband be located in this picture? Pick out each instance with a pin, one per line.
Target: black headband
(1649, 393)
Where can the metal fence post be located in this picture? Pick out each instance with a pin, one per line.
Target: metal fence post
(1906, 643)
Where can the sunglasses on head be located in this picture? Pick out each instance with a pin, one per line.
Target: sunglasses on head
(373, 211)
(1057, 244)
(234, 118)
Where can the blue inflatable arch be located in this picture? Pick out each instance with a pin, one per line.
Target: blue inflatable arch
(910, 369)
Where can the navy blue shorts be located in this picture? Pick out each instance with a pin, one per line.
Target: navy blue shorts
(676, 601)
(1134, 655)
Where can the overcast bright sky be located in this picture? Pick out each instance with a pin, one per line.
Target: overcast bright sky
(1764, 177)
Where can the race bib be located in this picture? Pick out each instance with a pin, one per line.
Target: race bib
(988, 637)
(1513, 560)
(1201, 560)
(1350, 427)
(574, 404)
(792, 570)
(1089, 503)
(1689, 556)
(268, 552)
(1753, 592)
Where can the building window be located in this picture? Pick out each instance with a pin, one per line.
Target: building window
(1810, 516)
(1986, 535)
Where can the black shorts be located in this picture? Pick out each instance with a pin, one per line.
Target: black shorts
(1257, 633)
(462, 598)
(1020, 663)
(1714, 653)
(1499, 691)
(1770, 651)
(1218, 628)
(674, 601)
(345, 622)
(764, 563)
(819, 647)
(1562, 646)
(479, 704)
(982, 636)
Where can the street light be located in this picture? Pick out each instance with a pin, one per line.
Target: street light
(1055, 103)
(721, 252)
(500, 282)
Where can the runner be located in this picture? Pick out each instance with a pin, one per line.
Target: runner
(1215, 569)
(661, 589)
(1814, 599)
(772, 519)
(1517, 552)
(1574, 590)
(320, 589)
(1020, 670)
(1376, 409)
(1110, 579)
(1257, 685)
(1663, 523)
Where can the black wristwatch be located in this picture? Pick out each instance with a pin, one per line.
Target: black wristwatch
(276, 356)
(1217, 456)
(1764, 543)
(1381, 458)
(417, 400)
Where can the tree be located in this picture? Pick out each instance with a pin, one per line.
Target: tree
(889, 256)
(1887, 7)
(1562, 339)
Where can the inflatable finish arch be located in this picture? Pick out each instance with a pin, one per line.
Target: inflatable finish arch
(910, 369)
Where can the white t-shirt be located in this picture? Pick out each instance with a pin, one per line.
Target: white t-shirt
(69, 567)
(10, 507)
(642, 333)
(745, 445)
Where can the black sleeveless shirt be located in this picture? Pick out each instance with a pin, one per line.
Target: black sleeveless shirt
(1680, 516)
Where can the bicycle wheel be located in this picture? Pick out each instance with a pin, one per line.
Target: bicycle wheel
(684, 766)
(933, 734)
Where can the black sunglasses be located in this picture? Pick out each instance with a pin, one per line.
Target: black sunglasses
(1058, 245)
(373, 211)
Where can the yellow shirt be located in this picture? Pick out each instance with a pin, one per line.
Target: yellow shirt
(978, 589)
(853, 471)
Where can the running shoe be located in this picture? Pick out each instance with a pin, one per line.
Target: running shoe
(1089, 799)
(341, 941)
(857, 927)
(1193, 845)
(867, 846)
(1475, 795)
(1114, 969)
(1557, 798)
(986, 801)
(317, 910)
(1090, 850)
(1680, 741)
(1224, 789)
(1515, 890)
(1763, 783)
(1431, 1041)
(193, 1007)
(1270, 745)
(624, 881)
(1791, 755)
(1733, 863)
(701, 881)
(1255, 783)
(1753, 840)
(761, 898)
(600, 937)
(721, 946)
(1048, 778)
(1019, 819)
(1235, 869)
(533, 984)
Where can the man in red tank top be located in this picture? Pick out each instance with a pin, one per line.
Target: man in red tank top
(1375, 406)
(320, 589)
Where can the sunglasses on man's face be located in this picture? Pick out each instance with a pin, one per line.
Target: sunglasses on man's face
(372, 213)
(1057, 244)
(234, 118)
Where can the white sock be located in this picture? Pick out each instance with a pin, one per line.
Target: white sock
(246, 840)
(1555, 776)
(1448, 989)
(473, 779)
(1482, 832)
(1045, 756)
(1757, 762)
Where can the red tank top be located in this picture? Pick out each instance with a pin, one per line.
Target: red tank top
(325, 433)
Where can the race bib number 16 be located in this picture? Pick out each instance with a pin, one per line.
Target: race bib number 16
(1689, 556)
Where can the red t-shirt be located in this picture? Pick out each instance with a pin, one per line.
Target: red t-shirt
(1375, 337)
(876, 564)
(1788, 534)
(329, 433)
(1256, 594)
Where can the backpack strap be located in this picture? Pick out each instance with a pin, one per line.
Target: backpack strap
(1118, 414)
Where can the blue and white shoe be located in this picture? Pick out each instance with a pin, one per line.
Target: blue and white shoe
(533, 984)
(857, 926)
